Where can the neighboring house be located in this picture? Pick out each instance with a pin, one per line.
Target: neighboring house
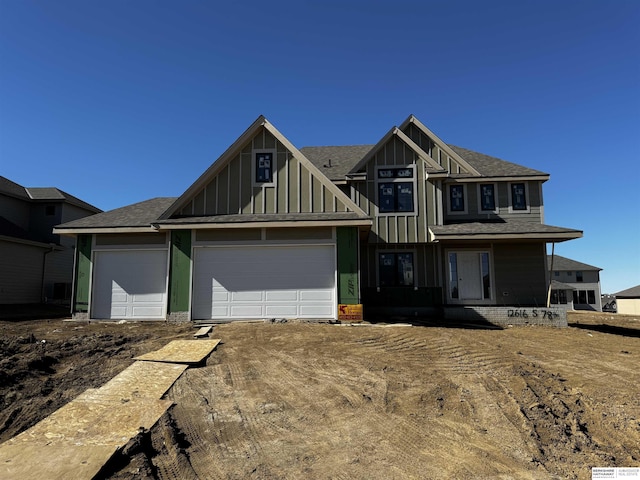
(407, 225)
(37, 265)
(628, 301)
(583, 279)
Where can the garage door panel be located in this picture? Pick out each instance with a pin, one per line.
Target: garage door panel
(264, 282)
(129, 284)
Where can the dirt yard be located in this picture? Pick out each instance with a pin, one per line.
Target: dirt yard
(318, 401)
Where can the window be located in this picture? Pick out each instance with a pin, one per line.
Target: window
(579, 277)
(396, 269)
(559, 297)
(582, 296)
(396, 189)
(50, 210)
(456, 199)
(519, 196)
(487, 197)
(556, 274)
(264, 167)
(591, 297)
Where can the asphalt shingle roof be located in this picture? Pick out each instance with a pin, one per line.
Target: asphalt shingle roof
(633, 292)
(266, 217)
(12, 188)
(140, 214)
(344, 158)
(564, 264)
(496, 228)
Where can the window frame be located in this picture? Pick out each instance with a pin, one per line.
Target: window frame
(495, 198)
(465, 199)
(412, 252)
(512, 209)
(397, 180)
(254, 167)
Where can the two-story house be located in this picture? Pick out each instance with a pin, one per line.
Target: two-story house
(583, 281)
(37, 265)
(407, 225)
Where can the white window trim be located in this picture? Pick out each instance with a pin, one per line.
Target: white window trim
(465, 198)
(406, 250)
(495, 198)
(274, 176)
(492, 291)
(526, 196)
(414, 180)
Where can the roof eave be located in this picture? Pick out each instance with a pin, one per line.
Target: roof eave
(88, 230)
(552, 237)
(360, 222)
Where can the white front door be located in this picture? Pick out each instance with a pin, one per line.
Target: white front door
(469, 276)
(129, 284)
(295, 281)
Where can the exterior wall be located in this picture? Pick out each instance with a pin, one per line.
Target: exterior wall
(520, 274)
(82, 282)
(434, 150)
(534, 203)
(628, 306)
(15, 210)
(21, 273)
(347, 260)
(180, 274)
(590, 282)
(42, 224)
(295, 189)
(396, 228)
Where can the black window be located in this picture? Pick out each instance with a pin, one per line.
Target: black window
(396, 269)
(264, 167)
(456, 198)
(591, 297)
(579, 277)
(518, 196)
(395, 197)
(559, 296)
(487, 197)
(582, 296)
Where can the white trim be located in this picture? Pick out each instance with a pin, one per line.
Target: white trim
(274, 162)
(413, 180)
(496, 206)
(72, 231)
(490, 179)
(526, 196)
(465, 199)
(492, 290)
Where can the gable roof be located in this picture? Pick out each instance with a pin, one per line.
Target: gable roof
(633, 292)
(43, 194)
(236, 147)
(564, 264)
(136, 217)
(395, 131)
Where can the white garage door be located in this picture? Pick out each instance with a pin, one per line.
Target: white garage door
(129, 284)
(295, 281)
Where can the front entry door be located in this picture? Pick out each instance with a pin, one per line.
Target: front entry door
(469, 276)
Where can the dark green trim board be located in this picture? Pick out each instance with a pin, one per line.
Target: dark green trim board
(82, 273)
(180, 271)
(347, 245)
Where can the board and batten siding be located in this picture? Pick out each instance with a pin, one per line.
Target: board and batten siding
(520, 273)
(433, 149)
(532, 214)
(396, 228)
(295, 188)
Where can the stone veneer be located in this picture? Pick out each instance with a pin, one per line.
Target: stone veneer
(555, 316)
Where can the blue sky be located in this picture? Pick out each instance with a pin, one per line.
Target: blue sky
(120, 101)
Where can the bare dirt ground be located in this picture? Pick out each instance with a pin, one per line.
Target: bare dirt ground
(318, 401)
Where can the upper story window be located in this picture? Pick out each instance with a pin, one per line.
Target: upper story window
(264, 163)
(396, 189)
(519, 193)
(488, 197)
(457, 202)
(579, 277)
